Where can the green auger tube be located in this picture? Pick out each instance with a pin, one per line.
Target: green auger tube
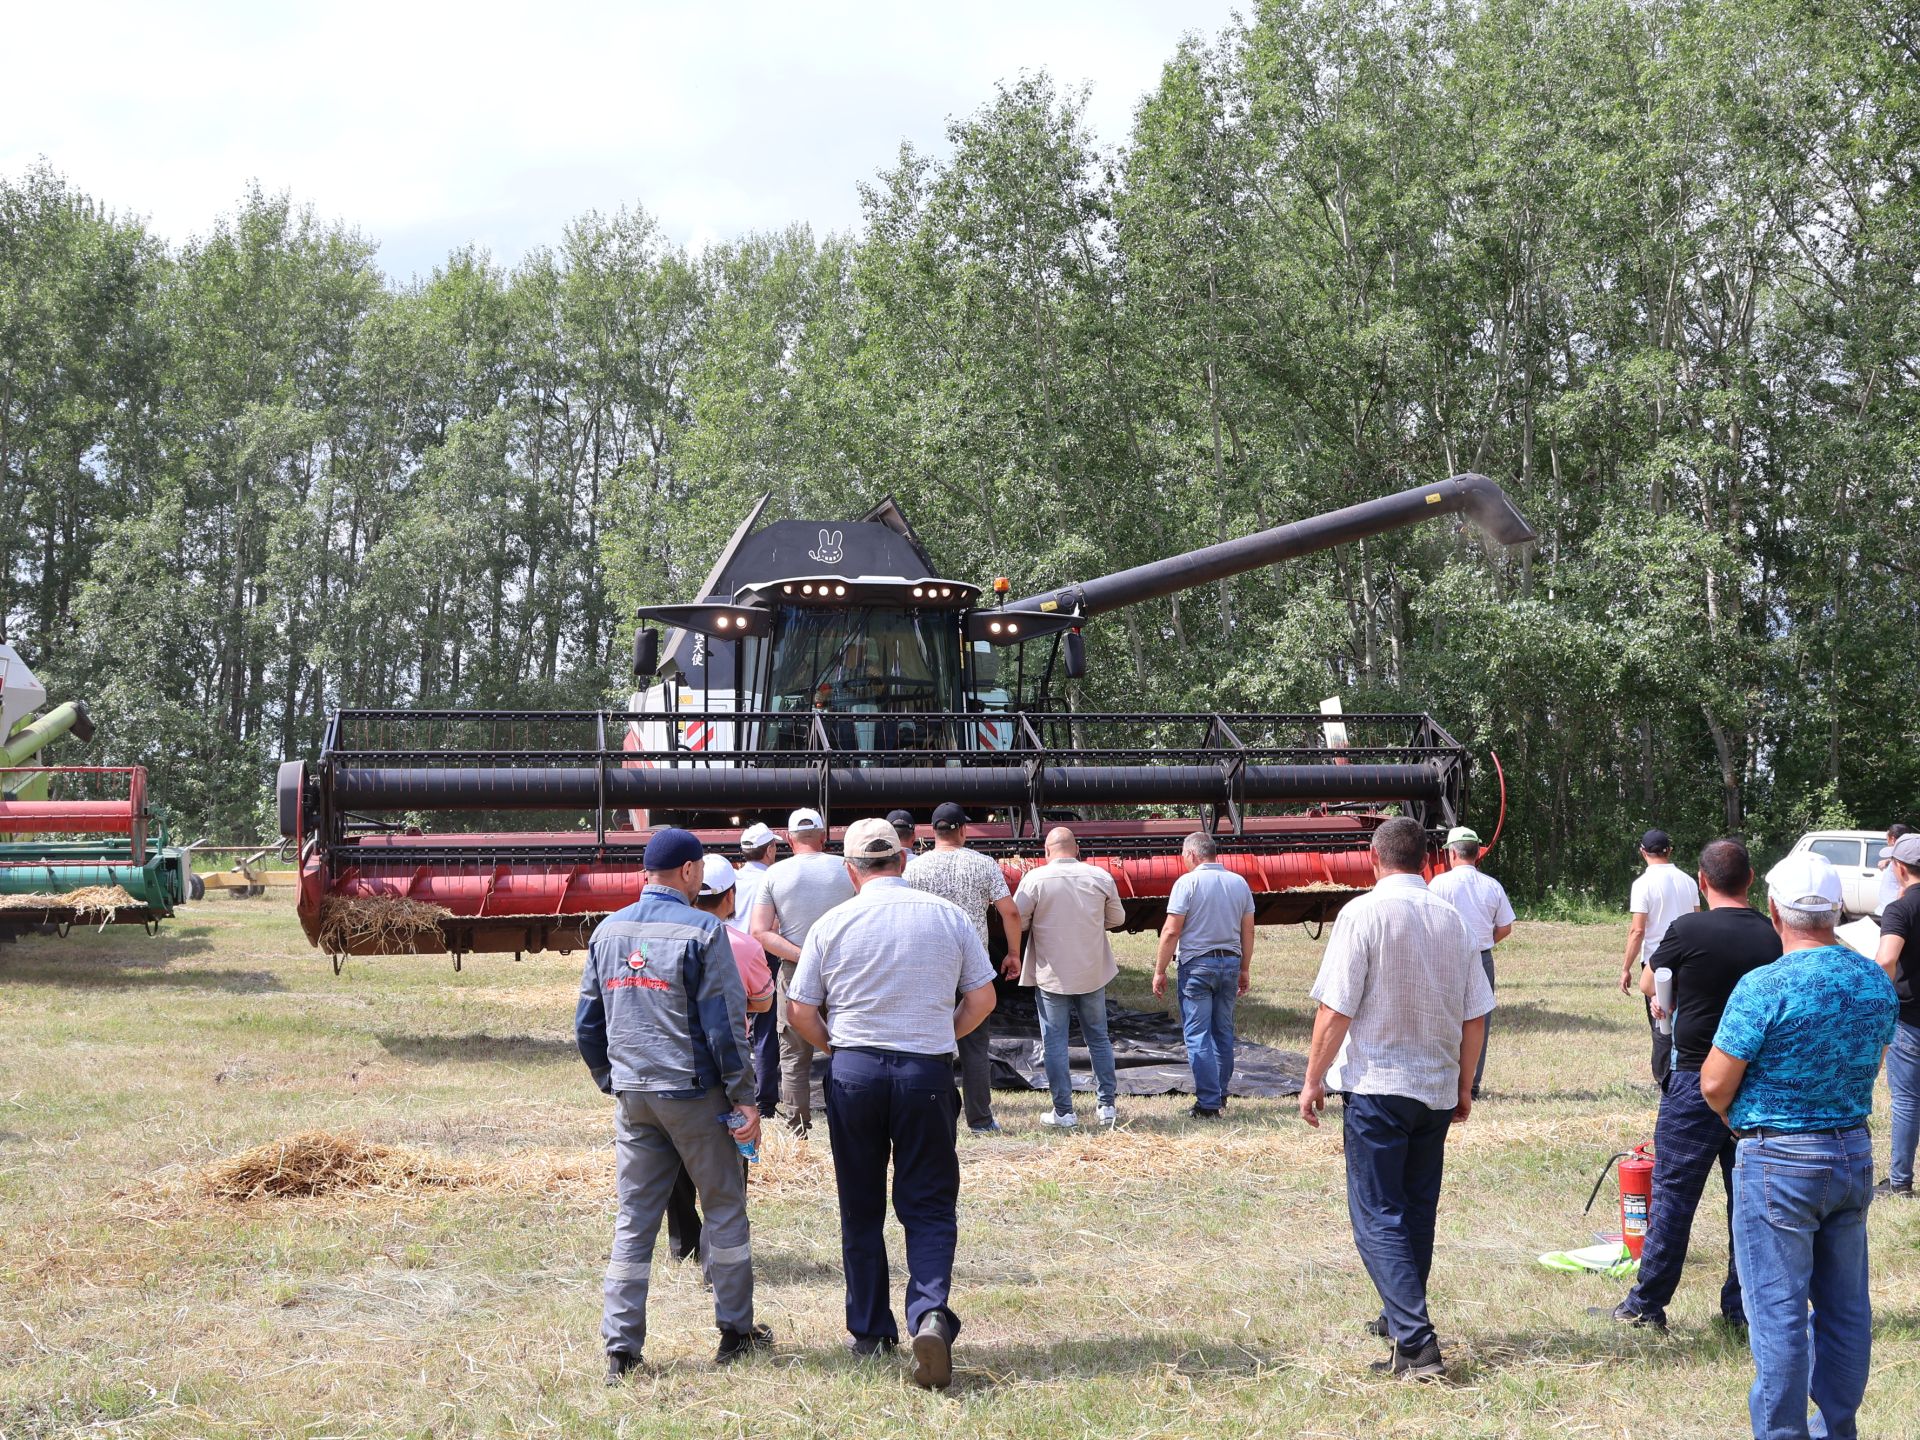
(33, 737)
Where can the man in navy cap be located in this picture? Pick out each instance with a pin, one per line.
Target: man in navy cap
(662, 1024)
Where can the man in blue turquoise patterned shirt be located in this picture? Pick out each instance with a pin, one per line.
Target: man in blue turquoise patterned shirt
(1792, 1070)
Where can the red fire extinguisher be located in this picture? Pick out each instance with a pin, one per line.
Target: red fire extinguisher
(1636, 1194)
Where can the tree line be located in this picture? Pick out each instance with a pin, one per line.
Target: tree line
(1648, 264)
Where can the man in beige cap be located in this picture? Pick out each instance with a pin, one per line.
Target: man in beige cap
(884, 967)
(1483, 905)
(1067, 907)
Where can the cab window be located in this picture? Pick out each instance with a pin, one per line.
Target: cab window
(1841, 854)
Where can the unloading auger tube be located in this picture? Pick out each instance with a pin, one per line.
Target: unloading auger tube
(1473, 495)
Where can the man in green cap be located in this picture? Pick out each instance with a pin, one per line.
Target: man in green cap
(1482, 903)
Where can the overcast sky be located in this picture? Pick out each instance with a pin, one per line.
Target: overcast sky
(428, 126)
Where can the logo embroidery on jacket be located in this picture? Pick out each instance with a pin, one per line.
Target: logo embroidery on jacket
(636, 962)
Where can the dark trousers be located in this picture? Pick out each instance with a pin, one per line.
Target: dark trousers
(683, 1218)
(1486, 1038)
(766, 1062)
(976, 1076)
(1688, 1141)
(881, 1105)
(1662, 1049)
(1396, 1149)
(683, 1214)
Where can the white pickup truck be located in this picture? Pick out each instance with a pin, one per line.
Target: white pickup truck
(1856, 855)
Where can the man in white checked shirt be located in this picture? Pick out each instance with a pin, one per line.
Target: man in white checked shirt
(1403, 1007)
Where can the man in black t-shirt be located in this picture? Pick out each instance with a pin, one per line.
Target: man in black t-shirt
(1707, 951)
(1898, 923)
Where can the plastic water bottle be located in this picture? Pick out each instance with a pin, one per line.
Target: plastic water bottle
(749, 1149)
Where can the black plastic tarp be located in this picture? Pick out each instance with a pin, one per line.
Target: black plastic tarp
(1148, 1053)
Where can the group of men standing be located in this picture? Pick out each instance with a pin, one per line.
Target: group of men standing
(1774, 1036)
(879, 956)
(1769, 1035)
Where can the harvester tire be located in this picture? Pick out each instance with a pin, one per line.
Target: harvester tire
(196, 888)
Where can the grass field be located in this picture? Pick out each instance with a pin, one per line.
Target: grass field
(1170, 1279)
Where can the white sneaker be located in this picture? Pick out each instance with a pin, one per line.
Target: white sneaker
(1108, 1115)
(1059, 1122)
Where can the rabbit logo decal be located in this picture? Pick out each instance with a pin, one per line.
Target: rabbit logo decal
(830, 549)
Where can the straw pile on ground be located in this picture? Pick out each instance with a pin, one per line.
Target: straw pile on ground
(319, 1162)
(90, 902)
(377, 924)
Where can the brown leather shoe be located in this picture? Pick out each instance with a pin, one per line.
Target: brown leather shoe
(933, 1353)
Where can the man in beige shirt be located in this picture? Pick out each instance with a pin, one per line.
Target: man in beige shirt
(1066, 907)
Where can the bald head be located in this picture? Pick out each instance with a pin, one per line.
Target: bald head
(1062, 844)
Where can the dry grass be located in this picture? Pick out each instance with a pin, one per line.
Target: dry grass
(319, 1162)
(242, 1197)
(89, 902)
(384, 924)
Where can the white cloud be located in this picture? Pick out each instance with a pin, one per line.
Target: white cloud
(429, 126)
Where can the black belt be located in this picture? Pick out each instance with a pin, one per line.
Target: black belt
(1762, 1132)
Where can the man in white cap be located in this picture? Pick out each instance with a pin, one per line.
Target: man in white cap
(1483, 904)
(757, 844)
(1792, 1070)
(793, 895)
(884, 969)
(1898, 925)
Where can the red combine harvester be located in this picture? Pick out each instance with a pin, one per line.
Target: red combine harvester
(830, 666)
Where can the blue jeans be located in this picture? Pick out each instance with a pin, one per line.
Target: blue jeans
(1800, 1235)
(1903, 1083)
(1396, 1149)
(1056, 1012)
(1208, 987)
(1689, 1140)
(881, 1105)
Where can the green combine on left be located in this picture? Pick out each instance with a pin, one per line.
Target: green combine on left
(78, 844)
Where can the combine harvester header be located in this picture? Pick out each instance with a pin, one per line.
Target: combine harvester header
(828, 665)
(78, 844)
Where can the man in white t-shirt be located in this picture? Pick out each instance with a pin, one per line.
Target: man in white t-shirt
(1482, 903)
(793, 895)
(1660, 896)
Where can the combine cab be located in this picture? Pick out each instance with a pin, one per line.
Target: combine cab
(77, 844)
(830, 666)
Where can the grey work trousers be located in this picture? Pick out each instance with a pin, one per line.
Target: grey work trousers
(655, 1136)
(796, 1060)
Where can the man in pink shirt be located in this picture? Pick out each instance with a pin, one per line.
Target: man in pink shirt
(750, 956)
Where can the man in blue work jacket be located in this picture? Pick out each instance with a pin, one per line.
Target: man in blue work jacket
(659, 1024)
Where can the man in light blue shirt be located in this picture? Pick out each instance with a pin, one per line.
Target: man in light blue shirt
(1210, 925)
(1791, 1071)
